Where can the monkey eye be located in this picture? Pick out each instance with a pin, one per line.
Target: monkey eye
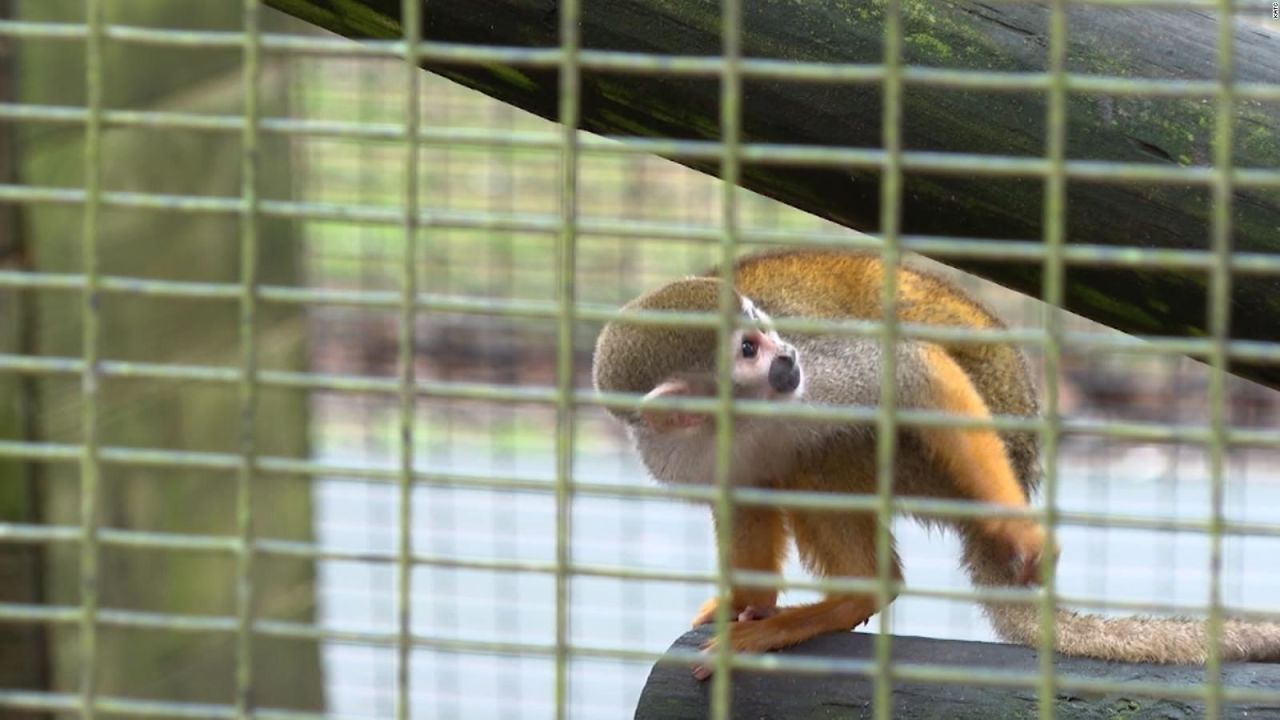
(749, 348)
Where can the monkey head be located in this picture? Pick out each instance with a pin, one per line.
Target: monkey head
(674, 361)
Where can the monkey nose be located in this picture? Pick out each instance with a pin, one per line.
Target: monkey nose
(784, 375)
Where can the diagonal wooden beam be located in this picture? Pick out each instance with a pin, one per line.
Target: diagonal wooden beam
(1158, 133)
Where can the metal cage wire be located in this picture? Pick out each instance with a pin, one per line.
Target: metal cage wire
(566, 226)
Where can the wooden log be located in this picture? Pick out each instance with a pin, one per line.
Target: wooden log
(1161, 133)
(671, 693)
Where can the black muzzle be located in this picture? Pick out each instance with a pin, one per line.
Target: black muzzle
(784, 374)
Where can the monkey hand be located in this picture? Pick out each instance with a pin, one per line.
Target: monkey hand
(1022, 543)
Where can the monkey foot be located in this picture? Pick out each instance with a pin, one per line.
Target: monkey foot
(704, 669)
(743, 637)
(784, 627)
(752, 612)
(748, 614)
(707, 613)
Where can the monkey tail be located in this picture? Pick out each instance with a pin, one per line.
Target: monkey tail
(1123, 639)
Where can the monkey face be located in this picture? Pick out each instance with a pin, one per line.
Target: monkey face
(764, 366)
(673, 362)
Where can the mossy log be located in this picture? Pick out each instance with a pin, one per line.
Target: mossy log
(671, 693)
(1133, 43)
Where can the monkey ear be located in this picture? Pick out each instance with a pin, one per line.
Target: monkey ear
(667, 420)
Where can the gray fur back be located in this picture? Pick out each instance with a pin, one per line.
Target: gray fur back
(846, 371)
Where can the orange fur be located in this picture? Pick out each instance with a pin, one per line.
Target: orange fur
(832, 544)
(970, 379)
(758, 542)
(842, 285)
(975, 457)
(977, 463)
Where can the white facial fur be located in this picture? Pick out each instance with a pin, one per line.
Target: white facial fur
(751, 375)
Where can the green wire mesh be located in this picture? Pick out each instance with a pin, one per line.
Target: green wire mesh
(417, 221)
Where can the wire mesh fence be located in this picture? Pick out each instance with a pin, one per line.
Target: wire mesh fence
(296, 374)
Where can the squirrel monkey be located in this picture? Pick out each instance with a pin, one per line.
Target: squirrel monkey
(974, 380)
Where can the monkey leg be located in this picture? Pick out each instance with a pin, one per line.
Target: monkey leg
(831, 544)
(758, 541)
(978, 462)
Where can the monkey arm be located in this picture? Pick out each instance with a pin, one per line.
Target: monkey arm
(758, 542)
(831, 544)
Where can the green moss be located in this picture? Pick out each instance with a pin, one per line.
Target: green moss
(1100, 58)
(511, 76)
(650, 106)
(767, 177)
(1124, 708)
(1102, 304)
(1181, 128)
(16, 505)
(472, 81)
(703, 16)
(345, 17)
(358, 14)
(929, 46)
(948, 37)
(1256, 136)
(613, 120)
